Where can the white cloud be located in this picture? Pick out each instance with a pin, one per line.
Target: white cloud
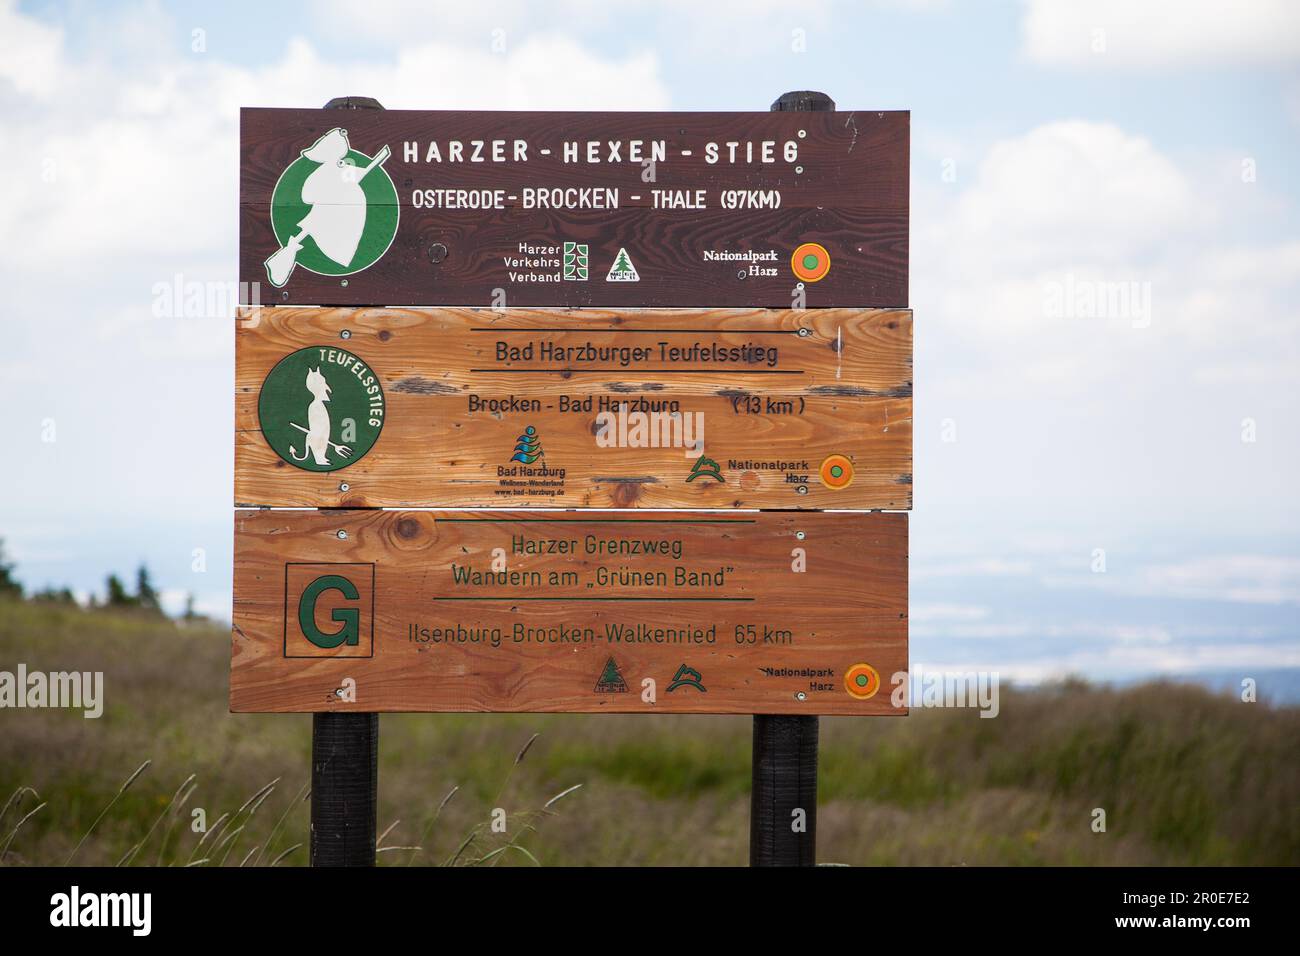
(1153, 34)
(1126, 660)
(947, 612)
(1242, 578)
(30, 52)
(1279, 265)
(1119, 416)
(971, 567)
(747, 28)
(1067, 193)
(1234, 578)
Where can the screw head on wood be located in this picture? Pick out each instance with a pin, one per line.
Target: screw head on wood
(343, 535)
(437, 252)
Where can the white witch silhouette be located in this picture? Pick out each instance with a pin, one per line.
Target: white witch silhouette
(337, 217)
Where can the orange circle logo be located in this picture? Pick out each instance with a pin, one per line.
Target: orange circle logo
(862, 681)
(810, 262)
(836, 472)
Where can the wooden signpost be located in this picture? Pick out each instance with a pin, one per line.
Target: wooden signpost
(576, 209)
(626, 365)
(580, 409)
(596, 611)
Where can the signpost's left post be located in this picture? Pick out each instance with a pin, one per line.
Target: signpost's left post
(344, 747)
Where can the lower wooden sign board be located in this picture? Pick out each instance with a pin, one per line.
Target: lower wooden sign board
(725, 613)
(553, 408)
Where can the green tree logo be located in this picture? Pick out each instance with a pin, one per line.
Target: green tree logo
(622, 270)
(611, 679)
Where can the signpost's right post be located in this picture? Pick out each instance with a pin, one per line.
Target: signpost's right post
(783, 796)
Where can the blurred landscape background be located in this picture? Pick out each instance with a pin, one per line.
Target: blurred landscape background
(1185, 776)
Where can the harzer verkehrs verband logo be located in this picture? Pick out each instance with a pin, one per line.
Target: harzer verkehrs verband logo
(334, 210)
(321, 408)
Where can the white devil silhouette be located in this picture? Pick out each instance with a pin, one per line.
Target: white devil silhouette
(318, 423)
(337, 217)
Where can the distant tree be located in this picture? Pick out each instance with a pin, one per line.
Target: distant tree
(145, 595)
(191, 614)
(52, 595)
(9, 586)
(117, 595)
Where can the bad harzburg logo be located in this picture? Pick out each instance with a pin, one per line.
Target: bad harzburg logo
(329, 610)
(528, 447)
(334, 210)
(321, 408)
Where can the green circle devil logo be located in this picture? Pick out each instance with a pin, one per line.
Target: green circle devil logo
(334, 210)
(321, 408)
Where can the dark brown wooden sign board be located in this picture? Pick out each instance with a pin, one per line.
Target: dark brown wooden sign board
(713, 409)
(407, 207)
(364, 611)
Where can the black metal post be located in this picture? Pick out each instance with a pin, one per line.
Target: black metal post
(344, 747)
(783, 803)
(783, 798)
(344, 788)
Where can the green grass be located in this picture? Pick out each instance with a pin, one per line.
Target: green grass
(1185, 777)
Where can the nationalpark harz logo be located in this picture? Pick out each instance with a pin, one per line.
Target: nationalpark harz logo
(334, 210)
(321, 408)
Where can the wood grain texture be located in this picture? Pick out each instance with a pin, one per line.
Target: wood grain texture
(418, 652)
(843, 388)
(847, 189)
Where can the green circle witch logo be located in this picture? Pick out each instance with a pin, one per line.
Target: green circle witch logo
(321, 408)
(334, 210)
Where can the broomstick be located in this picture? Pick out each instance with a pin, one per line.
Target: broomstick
(280, 265)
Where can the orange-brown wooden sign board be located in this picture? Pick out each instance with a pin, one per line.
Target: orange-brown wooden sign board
(765, 612)
(425, 207)
(515, 408)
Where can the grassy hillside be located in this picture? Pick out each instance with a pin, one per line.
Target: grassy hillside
(1184, 777)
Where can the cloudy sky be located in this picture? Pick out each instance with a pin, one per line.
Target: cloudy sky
(1105, 484)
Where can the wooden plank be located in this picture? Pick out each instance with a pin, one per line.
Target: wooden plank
(665, 187)
(780, 400)
(715, 603)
